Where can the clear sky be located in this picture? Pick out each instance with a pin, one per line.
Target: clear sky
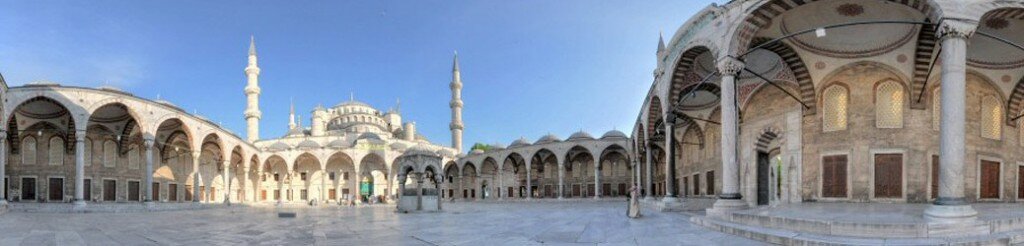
(529, 67)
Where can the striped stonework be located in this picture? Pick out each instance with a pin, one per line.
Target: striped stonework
(800, 71)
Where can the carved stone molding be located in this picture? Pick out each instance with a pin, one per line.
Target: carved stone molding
(730, 66)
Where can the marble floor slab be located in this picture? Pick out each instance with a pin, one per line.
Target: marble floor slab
(569, 223)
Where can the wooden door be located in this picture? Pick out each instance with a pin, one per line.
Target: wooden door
(202, 193)
(172, 192)
(763, 168)
(156, 192)
(87, 189)
(888, 175)
(133, 190)
(622, 189)
(56, 189)
(606, 189)
(590, 190)
(576, 190)
(935, 176)
(686, 187)
(989, 179)
(696, 184)
(1020, 182)
(332, 194)
(263, 195)
(28, 189)
(109, 190)
(710, 182)
(188, 193)
(833, 176)
(547, 191)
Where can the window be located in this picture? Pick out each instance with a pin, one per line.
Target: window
(991, 118)
(302, 176)
(56, 151)
(88, 152)
(889, 105)
(109, 153)
(28, 155)
(277, 177)
(133, 157)
(936, 109)
(344, 176)
(835, 103)
(330, 176)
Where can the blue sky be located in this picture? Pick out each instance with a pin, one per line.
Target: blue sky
(529, 67)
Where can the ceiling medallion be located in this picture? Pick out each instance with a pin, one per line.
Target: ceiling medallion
(997, 23)
(850, 9)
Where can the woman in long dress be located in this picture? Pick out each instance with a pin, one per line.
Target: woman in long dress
(634, 203)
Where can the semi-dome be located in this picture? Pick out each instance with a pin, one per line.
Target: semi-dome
(519, 143)
(613, 134)
(550, 138)
(580, 135)
(308, 144)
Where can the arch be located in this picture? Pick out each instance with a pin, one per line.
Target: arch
(470, 169)
(765, 138)
(49, 96)
(761, 15)
(342, 168)
(96, 112)
(684, 76)
(43, 114)
(653, 115)
(801, 73)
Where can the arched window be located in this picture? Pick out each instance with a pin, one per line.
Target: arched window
(28, 153)
(991, 118)
(55, 151)
(88, 152)
(133, 156)
(936, 109)
(109, 153)
(889, 105)
(835, 104)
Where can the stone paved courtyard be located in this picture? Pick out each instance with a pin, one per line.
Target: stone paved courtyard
(560, 223)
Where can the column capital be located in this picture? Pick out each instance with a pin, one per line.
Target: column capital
(670, 119)
(953, 28)
(730, 66)
(148, 142)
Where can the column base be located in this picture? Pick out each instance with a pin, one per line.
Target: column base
(950, 214)
(670, 199)
(647, 198)
(723, 207)
(597, 197)
(78, 205)
(561, 198)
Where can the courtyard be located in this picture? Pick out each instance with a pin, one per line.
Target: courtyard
(478, 223)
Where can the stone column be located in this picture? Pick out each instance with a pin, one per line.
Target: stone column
(501, 183)
(648, 185)
(401, 187)
(79, 168)
(529, 183)
(148, 175)
(419, 190)
(3, 166)
(730, 199)
(227, 180)
(670, 156)
(245, 183)
(561, 181)
(195, 176)
(597, 180)
(951, 205)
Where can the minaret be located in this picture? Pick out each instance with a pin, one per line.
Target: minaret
(252, 95)
(456, 105)
(291, 116)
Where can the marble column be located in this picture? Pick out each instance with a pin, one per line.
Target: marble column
(648, 185)
(730, 199)
(195, 176)
(245, 183)
(501, 184)
(79, 168)
(529, 183)
(419, 190)
(951, 206)
(401, 186)
(597, 180)
(358, 190)
(670, 156)
(561, 181)
(148, 175)
(227, 180)
(3, 166)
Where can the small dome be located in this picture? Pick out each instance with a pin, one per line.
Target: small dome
(519, 143)
(308, 144)
(613, 134)
(445, 152)
(550, 138)
(580, 135)
(476, 151)
(340, 143)
(42, 83)
(278, 146)
(399, 146)
(369, 135)
(420, 149)
(497, 146)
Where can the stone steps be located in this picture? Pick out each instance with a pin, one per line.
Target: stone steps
(796, 237)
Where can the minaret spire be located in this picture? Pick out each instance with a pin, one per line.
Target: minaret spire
(252, 95)
(291, 115)
(661, 43)
(456, 105)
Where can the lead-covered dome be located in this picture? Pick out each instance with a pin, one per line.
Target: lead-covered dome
(580, 135)
(519, 143)
(550, 138)
(613, 134)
